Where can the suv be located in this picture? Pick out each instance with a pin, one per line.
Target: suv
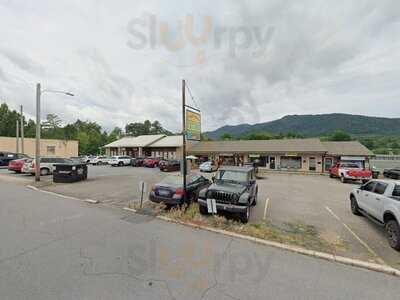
(46, 165)
(120, 161)
(379, 200)
(234, 189)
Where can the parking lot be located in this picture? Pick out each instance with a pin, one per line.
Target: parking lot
(324, 203)
(283, 198)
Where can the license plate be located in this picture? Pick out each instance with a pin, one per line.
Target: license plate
(211, 206)
(163, 192)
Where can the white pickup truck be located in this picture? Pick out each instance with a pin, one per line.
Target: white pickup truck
(379, 200)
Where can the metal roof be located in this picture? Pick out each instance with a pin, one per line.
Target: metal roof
(347, 148)
(260, 146)
(138, 141)
(168, 141)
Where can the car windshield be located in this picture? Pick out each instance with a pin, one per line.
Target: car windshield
(349, 165)
(232, 176)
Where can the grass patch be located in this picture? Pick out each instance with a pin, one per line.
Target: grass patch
(296, 234)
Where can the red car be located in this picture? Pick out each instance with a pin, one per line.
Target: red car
(151, 162)
(348, 171)
(16, 165)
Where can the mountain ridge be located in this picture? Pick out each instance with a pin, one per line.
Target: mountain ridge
(314, 125)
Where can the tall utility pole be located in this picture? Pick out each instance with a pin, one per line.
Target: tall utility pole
(17, 136)
(22, 131)
(37, 156)
(184, 138)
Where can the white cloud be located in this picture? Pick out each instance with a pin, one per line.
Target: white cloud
(340, 56)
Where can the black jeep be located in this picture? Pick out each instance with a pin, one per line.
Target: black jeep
(234, 190)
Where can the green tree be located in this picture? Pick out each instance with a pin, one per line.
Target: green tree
(340, 136)
(226, 137)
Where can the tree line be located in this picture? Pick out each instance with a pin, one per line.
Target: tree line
(91, 135)
(377, 144)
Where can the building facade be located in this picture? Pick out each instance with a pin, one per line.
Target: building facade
(48, 147)
(308, 155)
(167, 147)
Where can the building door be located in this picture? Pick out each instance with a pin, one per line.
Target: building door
(328, 162)
(312, 164)
(272, 162)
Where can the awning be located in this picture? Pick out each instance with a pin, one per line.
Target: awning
(353, 158)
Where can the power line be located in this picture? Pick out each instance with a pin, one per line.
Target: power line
(191, 95)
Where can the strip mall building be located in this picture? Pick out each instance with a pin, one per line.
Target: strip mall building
(309, 155)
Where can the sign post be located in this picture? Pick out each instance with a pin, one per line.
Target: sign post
(191, 130)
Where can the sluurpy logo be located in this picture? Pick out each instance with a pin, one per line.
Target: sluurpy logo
(150, 33)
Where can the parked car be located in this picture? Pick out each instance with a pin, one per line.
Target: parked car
(17, 165)
(6, 157)
(375, 172)
(379, 200)
(234, 189)
(137, 161)
(120, 161)
(392, 173)
(208, 166)
(348, 171)
(100, 160)
(170, 189)
(170, 165)
(82, 159)
(151, 162)
(252, 164)
(46, 165)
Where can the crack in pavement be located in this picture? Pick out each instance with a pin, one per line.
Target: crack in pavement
(215, 269)
(126, 274)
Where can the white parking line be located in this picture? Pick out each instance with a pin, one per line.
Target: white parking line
(381, 261)
(265, 208)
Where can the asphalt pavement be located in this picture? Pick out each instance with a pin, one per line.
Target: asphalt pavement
(57, 248)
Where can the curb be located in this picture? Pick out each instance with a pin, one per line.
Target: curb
(321, 255)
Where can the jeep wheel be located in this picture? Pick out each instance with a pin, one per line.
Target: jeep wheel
(203, 210)
(255, 199)
(244, 217)
(354, 206)
(393, 232)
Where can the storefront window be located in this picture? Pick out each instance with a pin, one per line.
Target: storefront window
(260, 160)
(290, 162)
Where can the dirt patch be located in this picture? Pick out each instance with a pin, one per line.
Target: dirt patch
(296, 234)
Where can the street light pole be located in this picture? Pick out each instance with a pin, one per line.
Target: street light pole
(184, 139)
(37, 156)
(22, 131)
(39, 92)
(17, 136)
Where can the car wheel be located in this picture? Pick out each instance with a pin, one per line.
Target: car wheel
(44, 172)
(120, 164)
(255, 199)
(393, 232)
(354, 206)
(342, 179)
(203, 210)
(244, 217)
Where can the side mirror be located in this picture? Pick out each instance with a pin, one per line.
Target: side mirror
(252, 181)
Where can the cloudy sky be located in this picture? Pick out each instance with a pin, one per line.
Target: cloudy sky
(244, 61)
